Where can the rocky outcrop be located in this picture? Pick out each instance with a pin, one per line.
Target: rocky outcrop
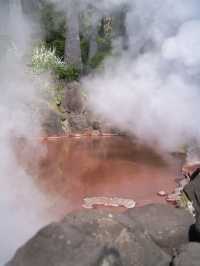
(52, 123)
(168, 227)
(188, 255)
(78, 117)
(73, 101)
(74, 110)
(91, 238)
(78, 123)
(69, 113)
(138, 237)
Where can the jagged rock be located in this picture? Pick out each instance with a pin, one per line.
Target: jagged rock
(78, 122)
(96, 125)
(52, 123)
(66, 126)
(73, 100)
(91, 238)
(189, 255)
(168, 227)
(78, 114)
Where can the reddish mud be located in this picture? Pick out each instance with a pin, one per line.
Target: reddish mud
(75, 168)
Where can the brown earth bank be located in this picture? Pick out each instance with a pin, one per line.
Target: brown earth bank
(153, 235)
(76, 168)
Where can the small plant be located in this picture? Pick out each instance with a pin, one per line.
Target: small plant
(68, 73)
(97, 59)
(53, 26)
(84, 49)
(73, 73)
(44, 59)
(104, 43)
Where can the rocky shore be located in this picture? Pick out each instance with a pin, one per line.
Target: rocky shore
(69, 113)
(153, 235)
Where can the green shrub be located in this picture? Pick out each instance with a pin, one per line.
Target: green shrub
(52, 22)
(60, 71)
(84, 49)
(44, 59)
(97, 59)
(53, 26)
(104, 49)
(104, 44)
(59, 46)
(68, 73)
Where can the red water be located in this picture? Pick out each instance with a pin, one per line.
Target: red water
(76, 168)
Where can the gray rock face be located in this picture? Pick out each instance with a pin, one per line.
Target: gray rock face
(78, 116)
(91, 238)
(189, 255)
(73, 102)
(52, 123)
(78, 122)
(167, 226)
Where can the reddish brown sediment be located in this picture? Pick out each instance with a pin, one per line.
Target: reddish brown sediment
(76, 168)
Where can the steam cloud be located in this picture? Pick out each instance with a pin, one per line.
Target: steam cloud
(152, 89)
(22, 206)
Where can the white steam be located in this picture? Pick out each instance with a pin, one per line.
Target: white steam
(104, 5)
(152, 89)
(21, 204)
(175, 47)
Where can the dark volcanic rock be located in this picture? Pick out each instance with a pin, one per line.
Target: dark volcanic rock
(78, 114)
(168, 227)
(52, 123)
(189, 255)
(73, 100)
(91, 238)
(78, 122)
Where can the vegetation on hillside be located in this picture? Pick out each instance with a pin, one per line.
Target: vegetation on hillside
(94, 41)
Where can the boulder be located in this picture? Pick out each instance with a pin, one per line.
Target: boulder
(91, 238)
(188, 255)
(168, 226)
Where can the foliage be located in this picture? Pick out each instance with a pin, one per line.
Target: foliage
(67, 72)
(44, 59)
(59, 45)
(54, 28)
(85, 47)
(97, 59)
(104, 43)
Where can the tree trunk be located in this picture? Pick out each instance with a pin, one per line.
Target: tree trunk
(4, 37)
(30, 6)
(17, 24)
(93, 42)
(72, 43)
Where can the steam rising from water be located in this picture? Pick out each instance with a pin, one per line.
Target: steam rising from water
(152, 89)
(22, 206)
